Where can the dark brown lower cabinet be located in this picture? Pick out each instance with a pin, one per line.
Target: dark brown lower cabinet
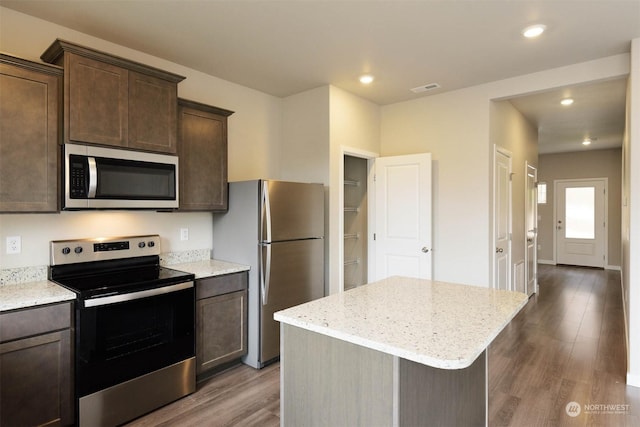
(36, 367)
(221, 321)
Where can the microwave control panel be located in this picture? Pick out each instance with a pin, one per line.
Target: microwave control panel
(79, 177)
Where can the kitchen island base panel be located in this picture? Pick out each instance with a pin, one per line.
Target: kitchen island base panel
(442, 397)
(327, 381)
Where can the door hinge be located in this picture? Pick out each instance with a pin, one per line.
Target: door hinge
(511, 176)
(374, 236)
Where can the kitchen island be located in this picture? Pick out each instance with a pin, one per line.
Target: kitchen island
(401, 351)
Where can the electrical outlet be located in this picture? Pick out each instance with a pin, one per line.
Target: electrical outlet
(184, 234)
(14, 245)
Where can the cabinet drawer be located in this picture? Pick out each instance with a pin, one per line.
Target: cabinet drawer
(34, 321)
(219, 285)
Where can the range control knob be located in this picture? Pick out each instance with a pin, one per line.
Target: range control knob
(151, 243)
(66, 250)
(141, 245)
(78, 249)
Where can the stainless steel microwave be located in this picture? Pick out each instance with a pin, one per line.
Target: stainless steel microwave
(108, 178)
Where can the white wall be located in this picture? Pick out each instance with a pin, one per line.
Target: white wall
(355, 127)
(454, 127)
(631, 219)
(254, 133)
(317, 125)
(37, 230)
(305, 137)
(579, 165)
(511, 131)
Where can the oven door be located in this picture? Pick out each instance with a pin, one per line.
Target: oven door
(120, 340)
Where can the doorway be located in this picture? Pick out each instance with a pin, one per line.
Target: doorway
(355, 222)
(502, 193)
(531, 227)
(581, 222)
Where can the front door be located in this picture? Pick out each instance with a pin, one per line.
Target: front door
(402, 235)
(581, 222)
(502, 220)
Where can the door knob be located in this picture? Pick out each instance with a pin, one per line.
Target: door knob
(425, 249)
(499, 250)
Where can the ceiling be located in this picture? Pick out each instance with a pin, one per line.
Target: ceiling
(286, 47)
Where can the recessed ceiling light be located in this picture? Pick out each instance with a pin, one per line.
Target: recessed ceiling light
(587, 141)
(534, 30)
(566, 101)
(366, 79)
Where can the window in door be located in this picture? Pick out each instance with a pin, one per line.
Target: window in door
(580, 213)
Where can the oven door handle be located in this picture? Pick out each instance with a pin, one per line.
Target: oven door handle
(113, 299)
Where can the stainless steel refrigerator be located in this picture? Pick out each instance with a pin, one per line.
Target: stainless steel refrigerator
(277, 228)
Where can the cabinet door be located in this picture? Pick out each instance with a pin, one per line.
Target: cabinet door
(35, 381)
(152, 113)
(29, 113)
(203, 159)
(221, 330)
(96, 102)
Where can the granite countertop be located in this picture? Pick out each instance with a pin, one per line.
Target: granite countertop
(18, 295)
(438, 324)
(25, 295)
(209, 268)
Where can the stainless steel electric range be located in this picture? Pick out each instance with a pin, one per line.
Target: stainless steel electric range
(134, 326)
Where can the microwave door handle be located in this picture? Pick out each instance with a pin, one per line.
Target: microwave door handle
(93, 177)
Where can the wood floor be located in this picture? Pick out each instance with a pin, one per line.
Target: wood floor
(567, 345)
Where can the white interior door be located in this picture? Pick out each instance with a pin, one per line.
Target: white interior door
(502, 220)
(402, 217)
(531, 225)
(581, 222)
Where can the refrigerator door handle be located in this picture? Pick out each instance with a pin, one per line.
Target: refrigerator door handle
(265, 271)
(266, 213)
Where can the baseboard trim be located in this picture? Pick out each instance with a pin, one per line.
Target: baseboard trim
(546, 261)
(613, 267)
(633, 379)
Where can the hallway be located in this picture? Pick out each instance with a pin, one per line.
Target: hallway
(566, 345)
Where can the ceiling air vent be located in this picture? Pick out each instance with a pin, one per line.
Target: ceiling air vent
(425, 88)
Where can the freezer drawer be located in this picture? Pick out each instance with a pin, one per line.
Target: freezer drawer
(295, 275)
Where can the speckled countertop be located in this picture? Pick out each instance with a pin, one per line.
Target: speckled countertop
(209, 267)
(23, 295)
(437, 324)
(35, 292)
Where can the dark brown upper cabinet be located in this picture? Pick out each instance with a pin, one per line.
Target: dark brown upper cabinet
(30, 99)
(202, 148)
(113, 101)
